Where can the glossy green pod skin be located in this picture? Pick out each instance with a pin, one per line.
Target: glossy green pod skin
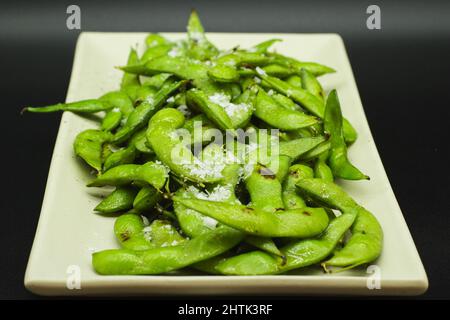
(321, 168)
(161, 135)
(305, 98)
(128, 79)
(202, 122)
(88, 145)
(316, 69)
(317, 151)
(279, 71)
(262, 47)
(309, 101)
(198, 45)
(213, 111)
(133, 234)
(165, 259)
(157, 81)
(270, 111)
(338, 160)
(146, 199)
(265, 189)
(152, 173)
(156, 51)
(83, 106)
(311, 84)
(111, 120)
(223, 73)
(194, 223)
(119, 200)
(144, 111)
(180, 67)
(123, 156)
(297, 255)
(298, 147)
(295, 81)
(291, 199)
(306, 222)
(155, 39)
(286, 102)
(119, 100)
(366, 242)
(139, 141)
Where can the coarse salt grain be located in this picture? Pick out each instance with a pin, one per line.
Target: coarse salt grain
(209, 222)
(230, 108)
(174, 52)
(184, 110)
(260, 71)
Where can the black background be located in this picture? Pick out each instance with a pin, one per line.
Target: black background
(401, 70)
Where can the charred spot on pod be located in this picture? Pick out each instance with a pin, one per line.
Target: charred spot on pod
(124, 236)
(306, 213)
(247, 65)
(248, 210)
(279, 209)
(294, 173)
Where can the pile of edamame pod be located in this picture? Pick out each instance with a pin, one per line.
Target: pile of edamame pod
(183, 204)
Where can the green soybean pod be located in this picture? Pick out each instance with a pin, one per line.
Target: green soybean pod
(88, 145)
(146, 199)
(366, 241)
(300, 223)
(338, 160)
(119, 200)
(128, 79)
(154, 174)
(166, 259)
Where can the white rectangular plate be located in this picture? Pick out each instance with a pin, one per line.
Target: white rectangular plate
(68, 230)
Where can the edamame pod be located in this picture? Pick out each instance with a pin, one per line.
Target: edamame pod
(165, 259)
(366, 241)
(268, 110)
(321, 168)
(299, 254)
(291, 199)
(339, 163)
(144, 111)
(134, 234)
(128, 79)
(198, 46)
(88, 145)
(83, 106)
(316, 69)
(298, 147)
(264, 46)
(146, 199)
(119, 200)
(310, 83)
(165, 142)
(152, 173)
(306, 222)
